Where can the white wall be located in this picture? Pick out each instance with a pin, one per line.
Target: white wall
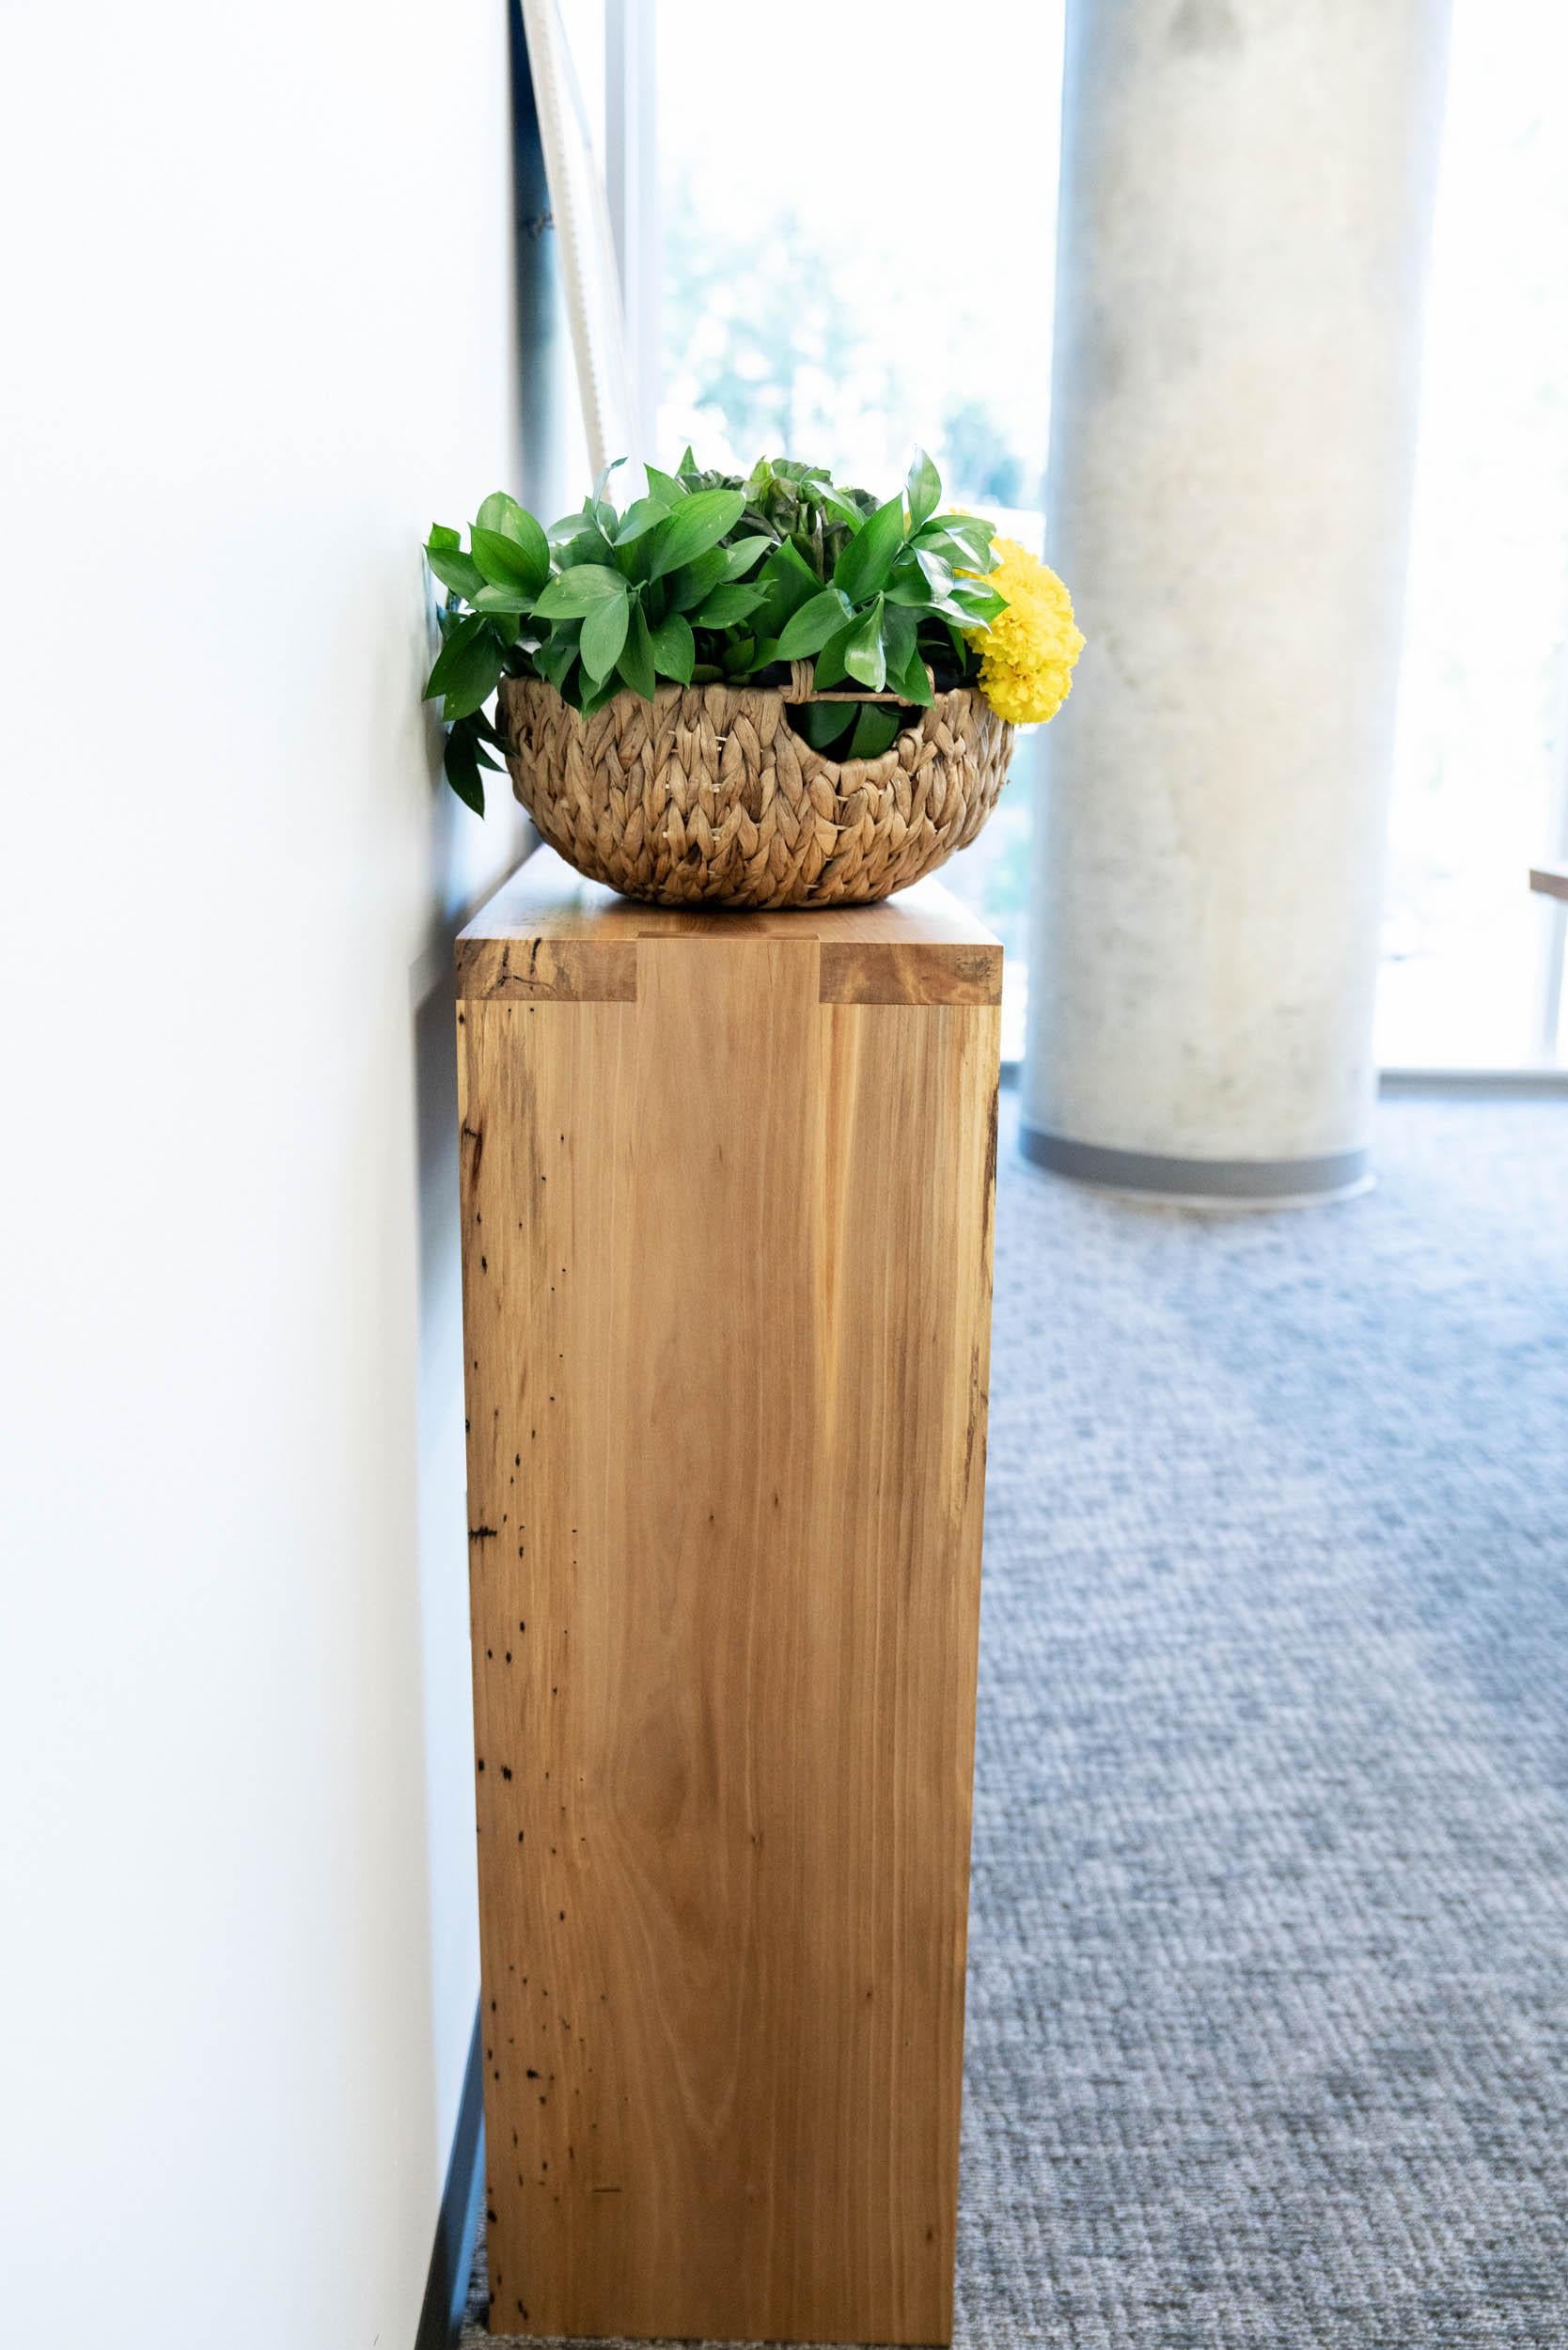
(258, 313)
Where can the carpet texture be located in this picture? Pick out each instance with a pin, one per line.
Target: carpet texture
(1268, 1997)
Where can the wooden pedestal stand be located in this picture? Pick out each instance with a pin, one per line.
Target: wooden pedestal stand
(727, 1185)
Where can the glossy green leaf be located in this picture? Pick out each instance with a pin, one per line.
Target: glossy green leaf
(863, 655)
(822, 494)
(899, 631)
(644, 516)
(788, 582)
(507, 626)
(743, 556)
(505, 564)
(637, 659)
(469, 655)
(913, 679)
(829, 669)
(936, 572)
(813, 625)
(605, 632)
(503, 516)
(460, 573)
(664, 486)
(443, 535)
(825, 722)
(689, 585)
(461, 763)
(574, 594)
(962, 540)
(502, 603)
(906, 671)
(922, 582)
(725, 605)
(556, 658)
(874, 729)
(866, 563)
(674, 649)
(975, 604)
(588, 544)
(463, 702)
(698, 523)
(923, 488)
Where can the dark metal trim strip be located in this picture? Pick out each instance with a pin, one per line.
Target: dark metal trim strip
(446, 2285)
(1332, 1174)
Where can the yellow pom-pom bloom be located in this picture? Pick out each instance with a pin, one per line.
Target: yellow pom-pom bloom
(1027, 655)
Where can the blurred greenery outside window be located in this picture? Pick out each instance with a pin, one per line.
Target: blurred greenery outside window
(801, 312)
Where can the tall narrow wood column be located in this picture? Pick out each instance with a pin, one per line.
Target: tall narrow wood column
(727, 1264)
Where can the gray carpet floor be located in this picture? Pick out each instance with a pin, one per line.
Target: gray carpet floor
(1268, 2001)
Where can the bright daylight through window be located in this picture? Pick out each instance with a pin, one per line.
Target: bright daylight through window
(798, 315)
(804, 314)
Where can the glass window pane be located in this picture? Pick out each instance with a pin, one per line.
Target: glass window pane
(841, 282)
(1477, 793)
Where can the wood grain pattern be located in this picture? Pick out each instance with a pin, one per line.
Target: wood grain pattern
(548, 970)
(918, 971)
(726, 1287)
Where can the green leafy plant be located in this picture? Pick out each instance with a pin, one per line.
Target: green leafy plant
(710, 577)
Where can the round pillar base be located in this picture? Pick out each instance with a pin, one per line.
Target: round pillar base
(1203, 1183)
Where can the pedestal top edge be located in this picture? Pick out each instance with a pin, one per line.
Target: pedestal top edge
(546, 898)
(550, 936)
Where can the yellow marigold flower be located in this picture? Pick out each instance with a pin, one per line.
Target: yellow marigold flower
(1027, 655)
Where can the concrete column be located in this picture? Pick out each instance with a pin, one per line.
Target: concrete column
(1247, 193)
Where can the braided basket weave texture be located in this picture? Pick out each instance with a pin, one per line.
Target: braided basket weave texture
(708, 793)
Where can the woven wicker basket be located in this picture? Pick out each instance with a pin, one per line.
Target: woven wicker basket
(707, 792)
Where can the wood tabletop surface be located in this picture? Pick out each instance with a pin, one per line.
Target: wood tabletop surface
(548, 935)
